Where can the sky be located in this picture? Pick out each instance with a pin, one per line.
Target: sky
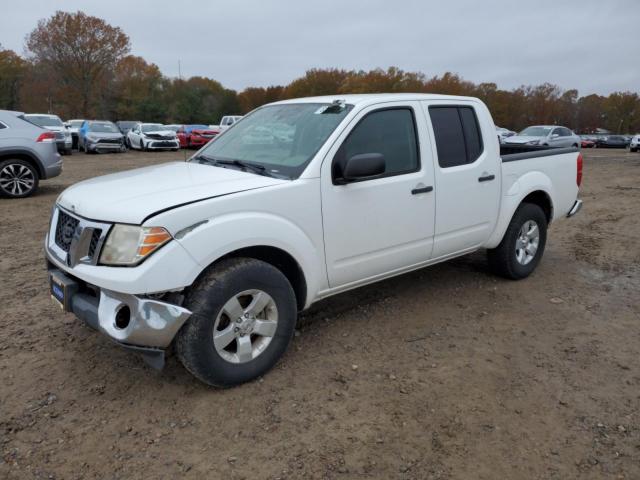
(590, 45)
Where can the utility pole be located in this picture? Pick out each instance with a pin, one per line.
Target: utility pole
(179, 70)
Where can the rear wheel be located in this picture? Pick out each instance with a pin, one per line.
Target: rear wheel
(244, 316)
(18, 178)
(523, 243)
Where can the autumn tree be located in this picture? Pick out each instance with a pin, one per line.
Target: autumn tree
(80, 52)
(200, 100)
(137, 91)
(12, 72)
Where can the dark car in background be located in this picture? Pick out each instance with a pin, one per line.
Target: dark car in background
(28, 154)
(195, 135)
(101, 136)
(125, 125)
(612, 141)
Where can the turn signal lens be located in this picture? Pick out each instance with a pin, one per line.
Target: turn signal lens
(128, 245)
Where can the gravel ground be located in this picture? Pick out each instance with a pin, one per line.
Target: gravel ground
(444, 373)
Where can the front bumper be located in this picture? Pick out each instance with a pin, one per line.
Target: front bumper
(143, 325)
(163, 144)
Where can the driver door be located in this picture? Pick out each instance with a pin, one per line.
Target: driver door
(380, 225)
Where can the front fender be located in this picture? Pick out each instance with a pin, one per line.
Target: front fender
(517, 189)
(222, 235)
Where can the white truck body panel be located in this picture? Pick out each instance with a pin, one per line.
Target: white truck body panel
(341, 236)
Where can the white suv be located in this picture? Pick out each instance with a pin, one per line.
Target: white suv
(634, 146)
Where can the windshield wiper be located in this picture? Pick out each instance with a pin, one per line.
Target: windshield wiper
(259, 169)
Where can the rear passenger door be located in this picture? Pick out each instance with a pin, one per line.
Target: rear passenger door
(467, 176)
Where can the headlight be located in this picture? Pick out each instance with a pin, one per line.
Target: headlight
(130, 244)
(92, 139)
(533, 142)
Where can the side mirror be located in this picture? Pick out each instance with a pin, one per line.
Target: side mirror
(363, 166)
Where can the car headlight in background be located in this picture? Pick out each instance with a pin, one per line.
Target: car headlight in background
(128, 245)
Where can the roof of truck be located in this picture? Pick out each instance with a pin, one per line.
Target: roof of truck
(356, 99)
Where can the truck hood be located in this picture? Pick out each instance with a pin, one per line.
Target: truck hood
(522, 139)
(134, 195)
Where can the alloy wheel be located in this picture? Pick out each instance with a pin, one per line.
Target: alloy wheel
(245, 326)
(17, 179)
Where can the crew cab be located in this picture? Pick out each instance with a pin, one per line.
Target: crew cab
(217, 255)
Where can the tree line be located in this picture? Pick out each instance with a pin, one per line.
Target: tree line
(79, 66)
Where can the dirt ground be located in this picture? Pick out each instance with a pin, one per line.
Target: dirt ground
(445, 373)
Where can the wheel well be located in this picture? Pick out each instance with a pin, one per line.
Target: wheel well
(541, 199)
(27, 158)
(283, 262)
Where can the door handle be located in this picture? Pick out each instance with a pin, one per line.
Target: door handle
(486, 178)
(416, 191)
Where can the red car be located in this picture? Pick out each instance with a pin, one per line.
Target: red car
(587, 143)
(195, 135)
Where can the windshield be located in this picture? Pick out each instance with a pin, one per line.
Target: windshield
(45, 121)
(103, 127)
(152, 127)
(281, 138)
(535, 131)
(76, 123)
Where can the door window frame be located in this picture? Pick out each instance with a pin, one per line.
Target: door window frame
(416, 135)
(457, 106)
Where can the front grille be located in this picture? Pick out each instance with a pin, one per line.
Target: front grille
(65, 229)
(156, 136)
(95, 238)
(164, 144)
(109, 140)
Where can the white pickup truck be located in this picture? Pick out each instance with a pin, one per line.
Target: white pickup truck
(301, 200)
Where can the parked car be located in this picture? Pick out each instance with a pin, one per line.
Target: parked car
(228, 120)
(101, 136)
(504, 133)
(74, 127)
(125, 125)
(224, 249)
(634, 145)
(64, 141)
(587, 142)
(195, 135)
(152, 136)
(545, 135)
(28, 154)
(612, 141)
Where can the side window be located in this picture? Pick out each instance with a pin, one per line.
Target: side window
(458, 138)
(565, 132)
(392, 133)
(2, 125)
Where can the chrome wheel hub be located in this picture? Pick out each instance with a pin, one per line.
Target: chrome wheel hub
(527, 242)
(16, 179)
(245, 326)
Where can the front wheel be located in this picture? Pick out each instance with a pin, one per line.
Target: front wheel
(523, 243)
(244, 316)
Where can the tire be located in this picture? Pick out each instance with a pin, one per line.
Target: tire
(69, 151)
(575, 145)
(142, 149)
(209, 300)
(18, 178)
(508, 261)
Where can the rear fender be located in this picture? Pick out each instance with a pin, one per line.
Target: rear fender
(515, 193)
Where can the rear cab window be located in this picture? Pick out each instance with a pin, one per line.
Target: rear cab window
(457, 134)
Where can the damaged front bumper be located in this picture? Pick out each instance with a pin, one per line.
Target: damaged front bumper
(144, 325)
